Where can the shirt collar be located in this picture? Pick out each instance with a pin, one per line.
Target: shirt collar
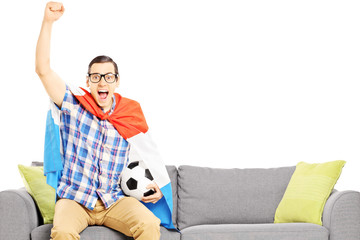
(112, 106)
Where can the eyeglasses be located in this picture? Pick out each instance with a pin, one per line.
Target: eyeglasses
(96, 77)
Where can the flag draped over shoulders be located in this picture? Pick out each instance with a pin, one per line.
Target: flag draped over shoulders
(128, 119)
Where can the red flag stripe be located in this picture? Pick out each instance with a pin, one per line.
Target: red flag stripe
(127, 117)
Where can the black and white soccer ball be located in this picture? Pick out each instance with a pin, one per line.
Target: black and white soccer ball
(134, 180)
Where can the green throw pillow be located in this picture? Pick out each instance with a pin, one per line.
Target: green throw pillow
(43, 194)
(307, 192)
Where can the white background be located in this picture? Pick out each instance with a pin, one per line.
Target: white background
(227, 84)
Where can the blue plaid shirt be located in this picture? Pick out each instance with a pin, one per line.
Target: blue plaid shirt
(94, 156)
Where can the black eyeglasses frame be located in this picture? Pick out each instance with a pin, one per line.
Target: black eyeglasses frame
(103, 76)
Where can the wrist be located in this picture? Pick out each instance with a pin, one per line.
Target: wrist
(47, 22)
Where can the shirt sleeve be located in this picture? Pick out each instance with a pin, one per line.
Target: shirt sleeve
(69, 101)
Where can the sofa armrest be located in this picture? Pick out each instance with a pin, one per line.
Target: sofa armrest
(341, 215)
(19, 214)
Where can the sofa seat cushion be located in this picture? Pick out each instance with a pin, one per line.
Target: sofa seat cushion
(283, 231)
(92, 232)
(99, 233)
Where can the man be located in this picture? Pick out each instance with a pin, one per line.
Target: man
(94, 152)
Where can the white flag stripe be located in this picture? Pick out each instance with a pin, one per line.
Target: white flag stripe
(146, 149)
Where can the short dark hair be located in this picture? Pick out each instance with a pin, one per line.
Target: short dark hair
(103, 59)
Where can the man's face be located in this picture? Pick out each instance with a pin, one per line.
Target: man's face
(102, 92)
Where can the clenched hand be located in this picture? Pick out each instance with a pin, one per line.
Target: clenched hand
(53, 11)
(154, 198)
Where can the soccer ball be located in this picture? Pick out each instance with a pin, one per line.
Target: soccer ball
(134, 180)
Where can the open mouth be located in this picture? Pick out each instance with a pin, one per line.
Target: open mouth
(103, 94)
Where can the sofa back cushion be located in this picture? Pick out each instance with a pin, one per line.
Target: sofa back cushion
(229, 196)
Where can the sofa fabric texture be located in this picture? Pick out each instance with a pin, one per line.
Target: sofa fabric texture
(98, 233)
(286, 231)
(209, 203)
(238, 196)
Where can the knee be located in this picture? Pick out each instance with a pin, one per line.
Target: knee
(149, 225)
(64, 234)
(152, 223)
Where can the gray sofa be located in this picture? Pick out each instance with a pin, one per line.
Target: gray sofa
(230, 204)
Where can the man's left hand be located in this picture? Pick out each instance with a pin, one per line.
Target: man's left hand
(154, 197)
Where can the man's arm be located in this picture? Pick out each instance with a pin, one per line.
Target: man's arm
(54, 85)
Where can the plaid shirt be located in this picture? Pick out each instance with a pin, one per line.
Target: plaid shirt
(94, 156)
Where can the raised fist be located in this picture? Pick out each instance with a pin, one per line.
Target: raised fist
(53, 11)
